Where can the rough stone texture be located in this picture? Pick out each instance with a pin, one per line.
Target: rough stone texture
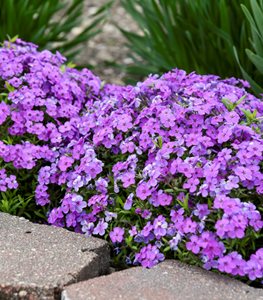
(37, 261)
(169, 280)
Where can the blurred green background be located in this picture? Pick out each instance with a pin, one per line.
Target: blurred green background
(221, 37)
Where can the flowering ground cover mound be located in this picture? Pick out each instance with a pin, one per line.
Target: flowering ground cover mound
(171, 167)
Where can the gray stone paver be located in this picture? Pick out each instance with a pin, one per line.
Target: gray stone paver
(170, 280)
(39, 261)
(36, 261)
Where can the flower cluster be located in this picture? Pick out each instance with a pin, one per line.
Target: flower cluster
(170, 166)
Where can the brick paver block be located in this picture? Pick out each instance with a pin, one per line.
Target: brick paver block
(170, 280)
(37, 261)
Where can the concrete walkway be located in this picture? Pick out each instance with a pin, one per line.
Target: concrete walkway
(46, 263)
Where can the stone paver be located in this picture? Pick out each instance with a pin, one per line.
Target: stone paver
(170, 280)
(37, 261)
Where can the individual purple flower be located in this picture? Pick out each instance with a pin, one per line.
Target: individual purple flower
(101, 185)
(133, 231)
(224, 134)
(147, 229)
(128, 202)
(189, 226)
(78, 203)
(101, 227)
(93, 168)
(116, 235)
(173, 243)
(201, 211)
(160, 226)
(232, 183)
(11, 182)
(243, 173)
(65, 162)
(226, 264)
(193, 245)
(124, 122)
(87, 228)
(253, 269)
(143, 191)
(128, 179)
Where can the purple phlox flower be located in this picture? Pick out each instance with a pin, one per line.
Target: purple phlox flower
(173, 243)
(54, 215)
(129, 201)
(231, 117)
(202, 211)
(193, 245)
(143, 191)
(133, 231)
(146, 229)
(231, 183)
(224, 155)
(167, 118)
(220, 200)
(231, 205)
(213, 248)
(110, 215)
(222, 226)
(65, 162)
(67, 204)
(192, 139)
(191, 184)
(160, 226)
(116, 235)
(224, 134)
(258, 256)
(101, 185)
(185, 169)
(11, 182)
(226, 264)
(127, 147)
(94, 168)
(100, 200)
(209, 264)
(71, 219)
(253, 269)
(149, 256)
(78, 203)
(77, 183)
(177, 216)
(87, 228)
(189, 226)
(255, 148)
(243, 156)
(243, 173)
(166, 150)
(124, 122)
(163, 199)
(128, 179)
(101, 227)
(240, 264)
(175, 165)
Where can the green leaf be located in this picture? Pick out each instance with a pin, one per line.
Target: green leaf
(256, 59)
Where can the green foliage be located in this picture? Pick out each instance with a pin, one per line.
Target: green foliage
(49, 23)
(255, 21)
(202, 35)
(15, 204)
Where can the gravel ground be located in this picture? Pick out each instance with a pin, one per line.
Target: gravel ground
(108, 47)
